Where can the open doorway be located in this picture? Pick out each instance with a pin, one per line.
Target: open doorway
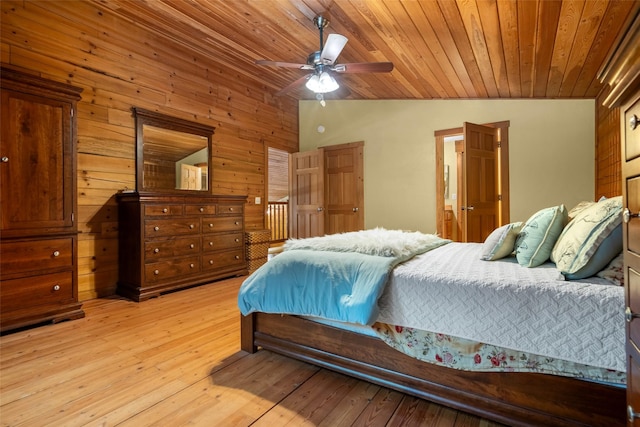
(472, 180)
(277, 216)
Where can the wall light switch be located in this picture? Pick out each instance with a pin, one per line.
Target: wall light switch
(258, 200)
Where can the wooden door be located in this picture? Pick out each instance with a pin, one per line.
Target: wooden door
(344, 188)
(306, 195)
(479, 204)
(37, 160)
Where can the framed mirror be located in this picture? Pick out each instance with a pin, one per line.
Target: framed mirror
(172, 154)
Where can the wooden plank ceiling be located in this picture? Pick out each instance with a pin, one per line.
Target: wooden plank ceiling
(441, 49)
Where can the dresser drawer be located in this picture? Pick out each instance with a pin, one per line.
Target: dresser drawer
(162, 210)
(166, 270)
(216, 260)
(200, 209)
(633, 204)
(33, 291)
(217, 224)
(171, 227)
(632, 133)
(163, 248)
(215, 242)
(230, 209)
(16, 257)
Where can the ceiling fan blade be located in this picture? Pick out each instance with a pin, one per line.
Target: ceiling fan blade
(364, 67)
(293, 85)
(332, 48)
(284, 64)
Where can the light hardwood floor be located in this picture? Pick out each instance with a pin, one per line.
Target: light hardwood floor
(176, 360)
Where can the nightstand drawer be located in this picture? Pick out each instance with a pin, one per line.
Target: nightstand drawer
(30, 255)
(34, 291)
(215, 242)
(156, 249)
(169, 227)
(166, 270)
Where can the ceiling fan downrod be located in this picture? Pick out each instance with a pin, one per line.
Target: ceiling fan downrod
(321, 22)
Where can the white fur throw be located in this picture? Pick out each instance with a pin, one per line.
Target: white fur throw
(378, 241)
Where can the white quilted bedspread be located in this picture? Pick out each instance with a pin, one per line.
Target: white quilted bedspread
(451, 291)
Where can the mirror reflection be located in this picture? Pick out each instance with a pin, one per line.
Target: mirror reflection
(174, 160)
(171, 153)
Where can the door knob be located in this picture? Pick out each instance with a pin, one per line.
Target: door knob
(469, 208)
(355, 209)
(627, 215)
(320, 209)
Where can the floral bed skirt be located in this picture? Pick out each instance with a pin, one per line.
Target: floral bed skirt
(468, 355)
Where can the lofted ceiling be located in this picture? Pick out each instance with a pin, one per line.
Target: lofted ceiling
(441, 49)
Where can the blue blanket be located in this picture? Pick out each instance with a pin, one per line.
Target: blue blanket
(331, 284)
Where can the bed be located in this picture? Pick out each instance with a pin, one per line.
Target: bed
(549, 351)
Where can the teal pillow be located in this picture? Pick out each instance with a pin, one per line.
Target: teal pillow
(539, 234)
(500, 242)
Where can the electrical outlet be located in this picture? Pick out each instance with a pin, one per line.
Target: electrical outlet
(258, 200)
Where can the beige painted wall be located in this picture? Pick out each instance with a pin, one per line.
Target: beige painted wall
(551, 151)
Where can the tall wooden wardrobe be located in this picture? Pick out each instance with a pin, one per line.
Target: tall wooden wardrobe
(38, 231)
(622, 74)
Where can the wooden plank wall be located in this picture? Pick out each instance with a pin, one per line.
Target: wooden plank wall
(120, 65)
(608, 168)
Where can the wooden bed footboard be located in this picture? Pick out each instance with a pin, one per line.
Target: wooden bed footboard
(518, 399)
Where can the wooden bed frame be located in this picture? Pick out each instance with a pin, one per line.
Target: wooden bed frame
(517, 399)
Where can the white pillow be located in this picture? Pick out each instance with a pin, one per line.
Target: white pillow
(501, 242)
(591, 240)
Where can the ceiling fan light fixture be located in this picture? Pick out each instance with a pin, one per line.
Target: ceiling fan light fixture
(322, 83)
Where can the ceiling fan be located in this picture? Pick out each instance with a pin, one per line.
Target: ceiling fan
(322, 64)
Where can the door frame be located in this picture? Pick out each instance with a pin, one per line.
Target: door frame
(503, 135)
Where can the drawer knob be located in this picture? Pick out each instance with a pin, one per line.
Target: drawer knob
(211, 262)
(237, 240)
(191, 265)
(230, 209)
(237, 257)
(210, 225)
(5, 159)
(634, 122)
(237, 223)
(56, 253)
(210, 243)
(56, 287)
(191, 226)
(627, 215)
(156, 272)
(201, 209)
(156, 250)
(192, 246)
(156, 228)
(165, 210)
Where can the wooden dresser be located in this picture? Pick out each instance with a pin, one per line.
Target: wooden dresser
(172, 241)
(38, 231)
(622, 74)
